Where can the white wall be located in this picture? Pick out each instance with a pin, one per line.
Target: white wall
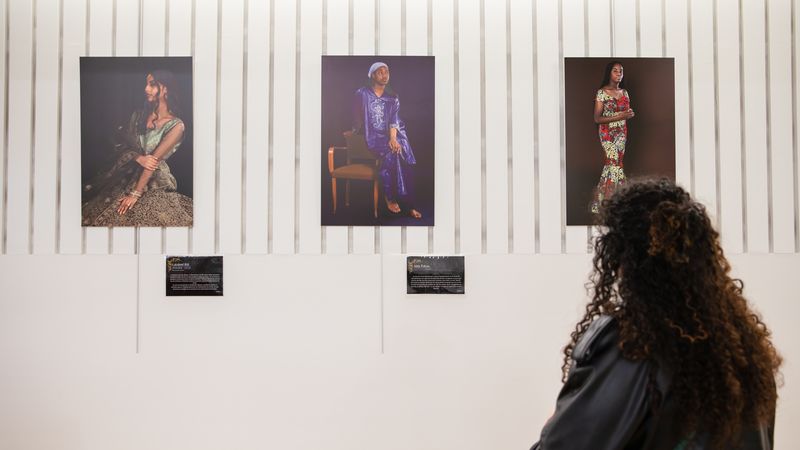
(315, 342)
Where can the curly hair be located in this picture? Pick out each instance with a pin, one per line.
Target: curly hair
(659, 270)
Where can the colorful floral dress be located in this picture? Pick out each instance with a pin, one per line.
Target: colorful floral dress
(613, 136)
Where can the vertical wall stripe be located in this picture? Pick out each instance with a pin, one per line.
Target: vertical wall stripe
(166, 36)
(535, 83)
(114, 27)
(350, 47)
(743, 127)
(509, 132)
(794, 132)
(663, 27)
(718, 171)
(218, 120)
(140, 27)
(324, 230)
(612, 6)
(246, 22)
(767, 90)
(59, 122)
(403, 18)
(5, 133)
(31, 197)
(430, 53)
(350, 15)
(88, 23)
(691, 94)
(456, 128)
(585, 27)
(482, 22)
(271, 145)
(190, 232)
(296, 156)
(562, 138)
(638, 28)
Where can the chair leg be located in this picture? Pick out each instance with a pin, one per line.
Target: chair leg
(347, 193)
(333, 191)
(375, 196)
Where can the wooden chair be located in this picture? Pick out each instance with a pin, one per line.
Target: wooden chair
(361, 164)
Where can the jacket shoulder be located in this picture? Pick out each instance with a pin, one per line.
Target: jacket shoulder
(600, 334)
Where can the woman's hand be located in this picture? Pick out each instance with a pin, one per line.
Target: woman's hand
(126, 203)
(394, 146)
(627, 114)
(149, 162)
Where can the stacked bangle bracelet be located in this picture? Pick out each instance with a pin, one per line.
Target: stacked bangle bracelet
(135, 194)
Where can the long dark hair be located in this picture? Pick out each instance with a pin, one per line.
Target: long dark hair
(607, 75)
(167, 79)
(660, 271)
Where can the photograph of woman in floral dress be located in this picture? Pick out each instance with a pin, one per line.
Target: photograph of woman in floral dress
(627, 106)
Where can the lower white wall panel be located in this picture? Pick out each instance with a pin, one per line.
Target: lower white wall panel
(291, 358)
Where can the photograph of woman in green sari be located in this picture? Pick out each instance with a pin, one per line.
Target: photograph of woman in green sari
(136, 186)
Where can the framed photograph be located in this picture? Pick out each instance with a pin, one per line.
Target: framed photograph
(377, 150)
(620, 123)
(136, 141)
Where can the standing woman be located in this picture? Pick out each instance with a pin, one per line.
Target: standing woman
(612, 109)
(669, 354)
(138, 188)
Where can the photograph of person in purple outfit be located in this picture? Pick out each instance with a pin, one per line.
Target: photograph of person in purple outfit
(378, 148)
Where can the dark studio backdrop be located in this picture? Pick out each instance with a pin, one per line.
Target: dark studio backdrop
(112, 88)
(650, 147)
(412, 78)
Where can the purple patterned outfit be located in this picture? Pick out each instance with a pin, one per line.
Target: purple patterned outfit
(373, 117)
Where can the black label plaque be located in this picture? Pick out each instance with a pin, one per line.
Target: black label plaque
(435, 275)
(194, 275)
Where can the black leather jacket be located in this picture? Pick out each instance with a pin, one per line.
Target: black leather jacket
(605, 403)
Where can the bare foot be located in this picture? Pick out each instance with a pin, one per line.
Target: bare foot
(393, 207)
(415, 214)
